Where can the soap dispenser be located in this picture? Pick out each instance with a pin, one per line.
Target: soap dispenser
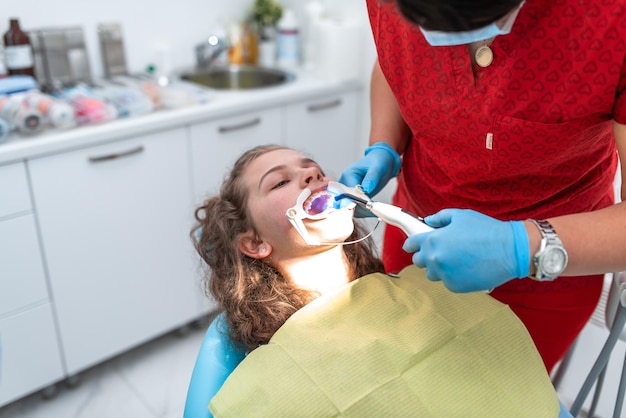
(314, 14)
(288, 40)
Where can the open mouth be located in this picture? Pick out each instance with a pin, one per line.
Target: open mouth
(318, 202)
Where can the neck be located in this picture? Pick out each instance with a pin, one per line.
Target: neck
(324, 272)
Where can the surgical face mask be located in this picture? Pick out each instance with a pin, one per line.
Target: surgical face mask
(438, 38)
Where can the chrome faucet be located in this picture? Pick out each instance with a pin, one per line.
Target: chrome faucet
(207, 52)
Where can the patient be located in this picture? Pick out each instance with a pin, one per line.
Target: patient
(312, 340)
(261, 270)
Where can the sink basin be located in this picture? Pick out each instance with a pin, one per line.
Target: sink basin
(238, 77)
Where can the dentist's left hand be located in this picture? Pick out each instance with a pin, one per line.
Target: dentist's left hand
(470, 251)
(373, 171)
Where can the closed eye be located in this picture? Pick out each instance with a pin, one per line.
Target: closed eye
(279, 184)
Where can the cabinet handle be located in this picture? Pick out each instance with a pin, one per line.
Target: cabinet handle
(324, 106)
(244, 125)
(117, 155)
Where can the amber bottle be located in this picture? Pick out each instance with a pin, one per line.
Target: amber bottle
(18, 50)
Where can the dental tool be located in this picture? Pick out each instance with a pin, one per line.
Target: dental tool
(393, 215)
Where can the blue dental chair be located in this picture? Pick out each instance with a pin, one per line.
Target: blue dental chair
(216, 360)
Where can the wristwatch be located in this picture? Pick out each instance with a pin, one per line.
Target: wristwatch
(551, 259)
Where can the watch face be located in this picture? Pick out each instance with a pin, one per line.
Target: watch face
(553, 261)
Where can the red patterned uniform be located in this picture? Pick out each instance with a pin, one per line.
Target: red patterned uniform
(528, 136)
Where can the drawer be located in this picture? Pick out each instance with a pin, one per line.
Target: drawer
(326, 129)
(22, 279)
(31, 358)
(14, 195)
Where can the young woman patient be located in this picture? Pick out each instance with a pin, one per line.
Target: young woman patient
(299, 335)
(261, 269)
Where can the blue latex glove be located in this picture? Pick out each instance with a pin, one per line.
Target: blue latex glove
(470, 251)
(380, 164)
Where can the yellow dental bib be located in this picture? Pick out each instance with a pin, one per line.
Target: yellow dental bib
(385, 346)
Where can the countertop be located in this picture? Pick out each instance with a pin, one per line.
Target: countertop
(220, 104)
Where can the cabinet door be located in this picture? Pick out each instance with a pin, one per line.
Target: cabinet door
(30, 358)
(115, 223)
(326, 129)
(215, 145)
(14, 196)
(22, 279)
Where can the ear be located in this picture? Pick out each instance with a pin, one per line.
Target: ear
(249, 245)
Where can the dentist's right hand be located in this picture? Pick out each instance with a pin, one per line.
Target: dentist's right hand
(471, 251)
(373, 171)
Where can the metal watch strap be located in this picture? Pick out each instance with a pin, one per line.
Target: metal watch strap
(546, 229)
(549, 235)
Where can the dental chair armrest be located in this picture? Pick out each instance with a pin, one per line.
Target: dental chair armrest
(216, 360)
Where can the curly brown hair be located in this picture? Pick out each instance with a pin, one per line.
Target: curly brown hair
(255, 297)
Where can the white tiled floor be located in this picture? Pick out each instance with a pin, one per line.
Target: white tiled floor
(147, 382)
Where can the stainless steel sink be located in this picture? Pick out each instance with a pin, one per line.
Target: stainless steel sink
(238, 77)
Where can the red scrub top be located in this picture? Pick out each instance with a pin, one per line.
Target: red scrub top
(529, 136)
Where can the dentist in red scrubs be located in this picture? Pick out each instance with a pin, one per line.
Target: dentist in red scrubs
(502, 121)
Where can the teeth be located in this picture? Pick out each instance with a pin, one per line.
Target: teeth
(318, 202)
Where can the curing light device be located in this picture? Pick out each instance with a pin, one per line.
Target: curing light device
(393, 215)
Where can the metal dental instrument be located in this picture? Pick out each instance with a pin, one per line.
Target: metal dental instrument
(393, 215)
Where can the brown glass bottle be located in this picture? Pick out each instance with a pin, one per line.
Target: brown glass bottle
(18, 50)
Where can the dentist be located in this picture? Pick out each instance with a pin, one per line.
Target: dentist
(502, 121)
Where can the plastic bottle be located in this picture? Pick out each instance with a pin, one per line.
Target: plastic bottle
(251, 44)
(19, 51)
(314, 13)
(267, 46)
(236, 52)
(288, 40)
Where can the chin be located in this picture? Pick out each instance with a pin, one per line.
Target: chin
(338, 226)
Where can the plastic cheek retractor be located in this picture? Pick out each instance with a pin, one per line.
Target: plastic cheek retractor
(323, 205)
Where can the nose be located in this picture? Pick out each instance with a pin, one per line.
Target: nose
(311, 174)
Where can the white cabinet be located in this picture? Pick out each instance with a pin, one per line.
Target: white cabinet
(14, 196)
(115, 223)
(325, 128)
(30, 358)
(22, 279)
(216, 144)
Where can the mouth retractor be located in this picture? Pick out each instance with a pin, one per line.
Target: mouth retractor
(319, 207)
